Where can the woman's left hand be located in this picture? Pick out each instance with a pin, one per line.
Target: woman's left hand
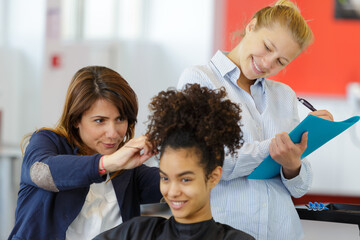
(323, 114)
(287, 153)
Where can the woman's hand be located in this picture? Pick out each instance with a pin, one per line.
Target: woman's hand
(287, 153)
(323, 114)
(132, 154)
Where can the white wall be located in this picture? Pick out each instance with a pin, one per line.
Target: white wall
(21, 59)
(178, 34)
(25, 41)
(11, 63)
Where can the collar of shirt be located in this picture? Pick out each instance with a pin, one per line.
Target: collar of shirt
(229, 70)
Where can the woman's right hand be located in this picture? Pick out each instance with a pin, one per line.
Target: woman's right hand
(134, 153)
(287, 153)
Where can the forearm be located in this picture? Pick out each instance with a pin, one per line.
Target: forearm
(62, 172)
(248, 158)
(51, 163)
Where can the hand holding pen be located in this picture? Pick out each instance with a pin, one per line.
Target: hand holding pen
(319, 113)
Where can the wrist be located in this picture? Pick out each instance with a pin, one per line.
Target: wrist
(102, 169)
(109, 163)
(290, 173)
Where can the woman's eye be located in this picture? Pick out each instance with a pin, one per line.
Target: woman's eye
(99, 120)
(280, 63)
(120, 119)
(186, 180)
(163, 178)
(267, 48)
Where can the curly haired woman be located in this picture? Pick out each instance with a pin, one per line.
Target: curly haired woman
(190, 128)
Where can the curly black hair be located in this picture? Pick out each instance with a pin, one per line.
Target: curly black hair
(196, 117)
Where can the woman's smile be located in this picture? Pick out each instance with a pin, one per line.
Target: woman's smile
(177, 205)
(256, 68)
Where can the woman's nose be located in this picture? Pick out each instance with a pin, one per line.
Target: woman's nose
(174, 190)
(267, 61)
(111, 131)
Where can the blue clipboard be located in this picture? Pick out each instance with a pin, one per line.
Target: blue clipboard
(320, 132)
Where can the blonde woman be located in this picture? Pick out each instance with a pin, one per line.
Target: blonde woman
(272, 39)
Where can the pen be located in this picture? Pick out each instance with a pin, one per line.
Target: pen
(307, 104)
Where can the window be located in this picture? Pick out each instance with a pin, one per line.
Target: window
(3, 19)
(101, 19)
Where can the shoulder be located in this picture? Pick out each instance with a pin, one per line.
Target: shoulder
(232, 233)
(48, 139)
(278, 86)
(136, 227)
(150, 224)
(196, 70)
(44, 134)
(196, 74)
(148, 220)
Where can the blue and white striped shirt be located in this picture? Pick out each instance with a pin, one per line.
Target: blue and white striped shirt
(262, 208)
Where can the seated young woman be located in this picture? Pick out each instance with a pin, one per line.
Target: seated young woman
(190, 128)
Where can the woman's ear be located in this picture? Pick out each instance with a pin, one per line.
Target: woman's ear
(215, 176)
(251, 25)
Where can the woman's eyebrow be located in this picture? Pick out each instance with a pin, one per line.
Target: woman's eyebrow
(162, 172)
(273, 45)
(105, 117)
(180, 174)
(185, 173)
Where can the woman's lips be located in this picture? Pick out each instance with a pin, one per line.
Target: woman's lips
(256, 68)
(109, 145)
(176, 205)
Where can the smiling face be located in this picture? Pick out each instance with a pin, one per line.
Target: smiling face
(184, 185)
(264, 52)
(102, 128)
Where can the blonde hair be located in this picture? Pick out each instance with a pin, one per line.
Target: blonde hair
(287, 14)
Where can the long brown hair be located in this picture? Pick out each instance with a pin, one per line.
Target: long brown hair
(88, 85)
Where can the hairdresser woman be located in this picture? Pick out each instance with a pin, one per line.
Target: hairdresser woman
(64, 189)
(272, 39)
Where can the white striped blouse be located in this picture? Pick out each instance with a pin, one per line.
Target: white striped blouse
(262, 208)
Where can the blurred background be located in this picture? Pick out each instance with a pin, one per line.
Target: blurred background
(149, 42)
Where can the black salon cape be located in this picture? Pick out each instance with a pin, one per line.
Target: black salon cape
(141, 228)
